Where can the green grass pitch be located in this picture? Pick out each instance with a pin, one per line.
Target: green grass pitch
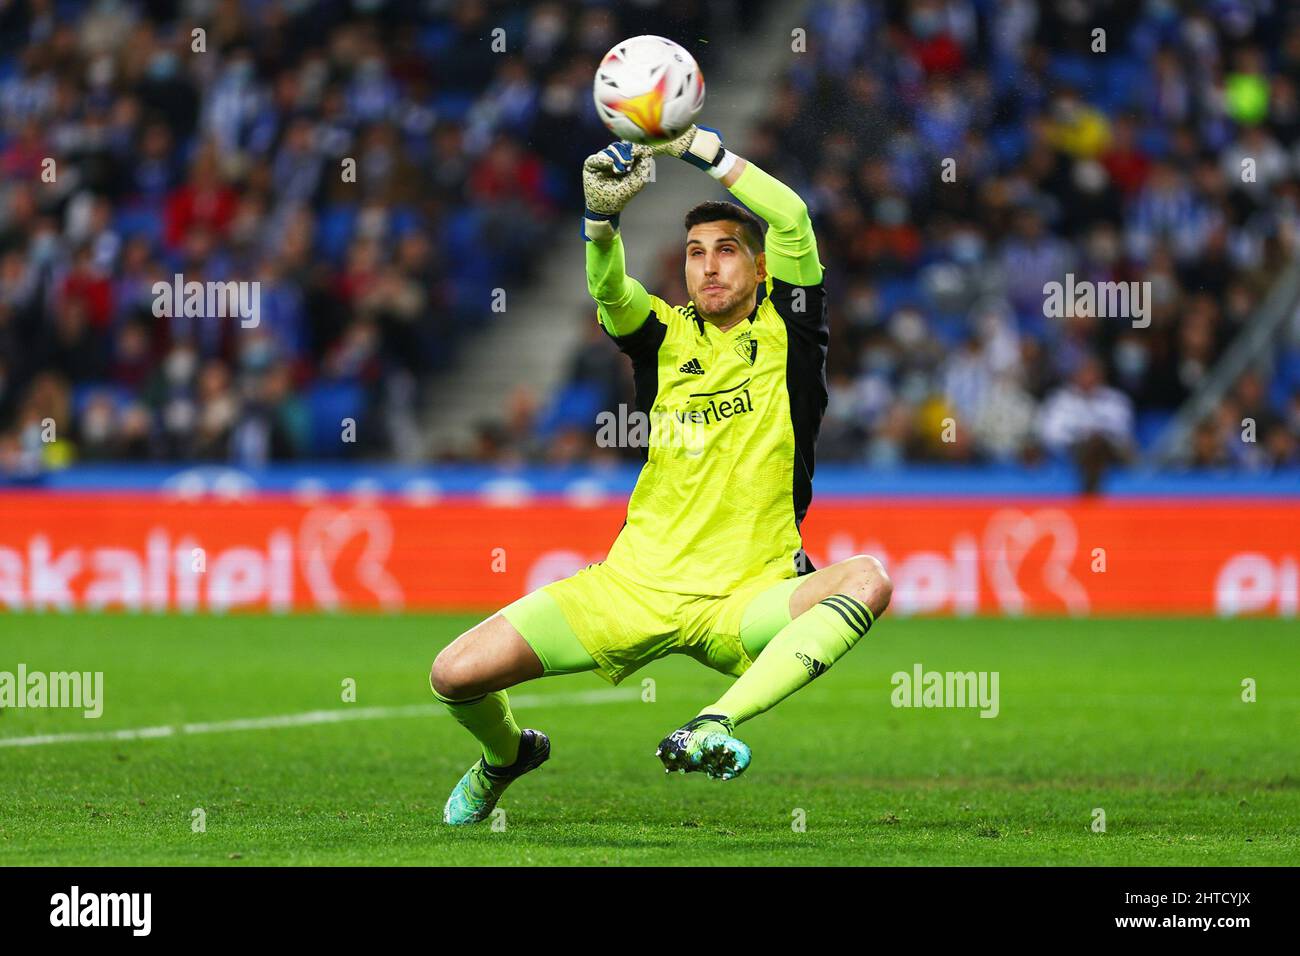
(1141, 718)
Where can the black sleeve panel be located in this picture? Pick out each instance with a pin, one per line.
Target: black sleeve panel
(807, 337)
(643, 344)
(642, 347)
(802, 305)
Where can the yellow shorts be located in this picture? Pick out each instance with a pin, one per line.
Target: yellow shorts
(624, 625)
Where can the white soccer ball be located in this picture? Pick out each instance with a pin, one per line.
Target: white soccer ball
(648, 89)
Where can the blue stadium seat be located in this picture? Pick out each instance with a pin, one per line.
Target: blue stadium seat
(951, 329)
(454, 106)
(461, 229)
(1148, 425)
(896, 293)
(139, 221)
(334, 230)
(435, 38)
(1075, 71)
(1153, 140)
(575, 406)
(1286, 378)
(1008, 142)
(402, 219)
(83, 392)
(1125, 80)
(329, 402)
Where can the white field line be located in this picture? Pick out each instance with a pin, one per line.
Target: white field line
(309, 718)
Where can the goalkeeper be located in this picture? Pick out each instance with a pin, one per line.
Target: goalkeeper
(709, 562)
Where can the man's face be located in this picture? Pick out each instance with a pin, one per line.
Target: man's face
(721, 272)
(1089, 376)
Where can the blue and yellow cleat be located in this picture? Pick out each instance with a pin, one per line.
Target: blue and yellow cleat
(704, 744)
(474, 798)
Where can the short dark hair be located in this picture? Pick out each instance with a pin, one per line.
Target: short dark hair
(715, 211)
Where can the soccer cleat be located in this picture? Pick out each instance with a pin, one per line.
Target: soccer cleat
(475, 797)
(699, 745)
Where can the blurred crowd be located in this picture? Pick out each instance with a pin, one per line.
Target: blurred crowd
(958, 155)
(133, 149)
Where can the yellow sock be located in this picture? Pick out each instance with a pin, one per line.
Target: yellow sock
(801, 651)
(489, 719)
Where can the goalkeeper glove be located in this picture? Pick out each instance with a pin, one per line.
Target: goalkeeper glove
(610, 179)
(701, 146)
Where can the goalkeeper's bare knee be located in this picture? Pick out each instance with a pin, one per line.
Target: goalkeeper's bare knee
(865, 578)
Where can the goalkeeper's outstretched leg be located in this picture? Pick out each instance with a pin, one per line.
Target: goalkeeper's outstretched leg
(829, 612)
(470, 676)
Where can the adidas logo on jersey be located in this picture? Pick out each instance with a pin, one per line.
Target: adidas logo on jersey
(693, 367)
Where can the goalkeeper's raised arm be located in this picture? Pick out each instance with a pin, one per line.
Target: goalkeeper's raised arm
(790, 245)
(613, 176)
(610, 178)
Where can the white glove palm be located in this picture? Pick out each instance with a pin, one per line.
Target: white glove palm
(613, 176)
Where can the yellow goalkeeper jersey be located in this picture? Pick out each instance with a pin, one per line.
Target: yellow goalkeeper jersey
(732, 416)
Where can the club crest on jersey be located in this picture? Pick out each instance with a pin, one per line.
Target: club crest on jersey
(747, 347)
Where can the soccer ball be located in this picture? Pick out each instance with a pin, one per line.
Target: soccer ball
(648, 90)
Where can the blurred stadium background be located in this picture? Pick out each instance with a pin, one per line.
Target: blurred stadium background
(438, 302)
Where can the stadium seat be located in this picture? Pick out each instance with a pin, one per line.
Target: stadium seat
(1148, 425)
(575, 406)
(334, 230)
(329, 403)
